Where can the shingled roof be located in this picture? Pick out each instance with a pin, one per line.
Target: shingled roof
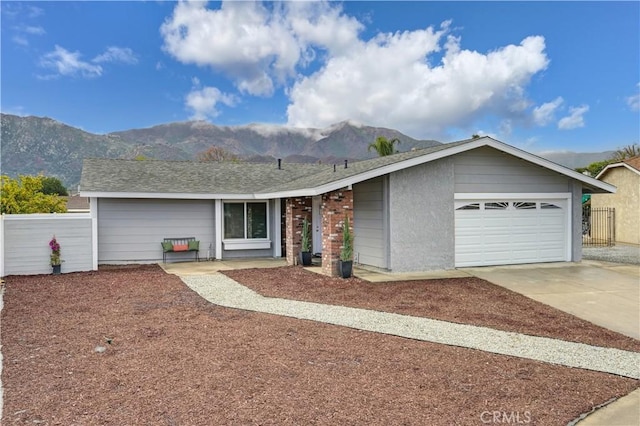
(188, 179)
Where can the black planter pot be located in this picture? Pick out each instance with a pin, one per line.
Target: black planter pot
(56, 269)
(345, 268)
(305, 258)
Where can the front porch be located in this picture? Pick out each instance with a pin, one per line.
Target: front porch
(331, 210)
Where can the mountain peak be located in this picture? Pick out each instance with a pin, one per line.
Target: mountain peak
(31, 145)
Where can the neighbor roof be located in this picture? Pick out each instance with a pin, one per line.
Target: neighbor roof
(187, 179)
(632, 164)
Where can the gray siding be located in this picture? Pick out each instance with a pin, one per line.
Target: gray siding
(130, 230)
(26, 243)
(489, 170)
(421, 217)
(369, 223)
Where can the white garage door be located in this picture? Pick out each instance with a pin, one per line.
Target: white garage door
(504, 232)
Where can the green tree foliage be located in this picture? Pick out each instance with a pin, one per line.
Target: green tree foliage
(346, 251)
(217, 154)
(53, 186)
(621, 154)
(383, 146)
(24, 195)
(594, 168)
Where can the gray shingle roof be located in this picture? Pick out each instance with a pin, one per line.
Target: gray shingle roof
(154, 176)
(189, 177)
(327, 175)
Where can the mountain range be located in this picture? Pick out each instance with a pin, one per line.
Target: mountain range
(33, 145)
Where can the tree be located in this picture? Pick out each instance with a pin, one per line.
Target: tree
(594, 168)
(24, 195)
(217, 154)
(383, 146)
(53, 186)
(619, 155)
(628, 151)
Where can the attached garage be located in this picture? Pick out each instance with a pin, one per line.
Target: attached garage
(499, 231)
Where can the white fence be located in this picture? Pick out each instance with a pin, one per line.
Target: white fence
(24, 243)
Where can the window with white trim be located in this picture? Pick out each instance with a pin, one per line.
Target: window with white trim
(245, 220)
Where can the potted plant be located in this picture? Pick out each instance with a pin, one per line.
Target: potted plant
(56, 262)
(305, 253)
(345, 264)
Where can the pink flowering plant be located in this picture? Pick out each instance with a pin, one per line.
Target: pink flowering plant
(55, 252)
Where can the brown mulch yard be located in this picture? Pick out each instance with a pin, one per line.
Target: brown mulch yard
(461, 300)
(175, 359)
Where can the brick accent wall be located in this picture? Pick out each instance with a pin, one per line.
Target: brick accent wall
(296, 210)
(335, 206)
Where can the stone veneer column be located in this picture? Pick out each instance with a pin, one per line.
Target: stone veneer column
(335, 206)
(297, 209)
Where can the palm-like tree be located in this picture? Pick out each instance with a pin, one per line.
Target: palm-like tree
(383, 146)
(628, 151)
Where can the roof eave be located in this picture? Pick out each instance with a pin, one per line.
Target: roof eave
(615, 165)
(596, 185)
(166, 195)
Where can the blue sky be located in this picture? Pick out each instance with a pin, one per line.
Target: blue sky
(543, 76)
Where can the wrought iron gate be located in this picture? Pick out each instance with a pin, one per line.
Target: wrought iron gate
(598, 226)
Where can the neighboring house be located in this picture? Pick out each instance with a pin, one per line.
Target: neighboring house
(469, 203)
(77, 204)
(625, 175)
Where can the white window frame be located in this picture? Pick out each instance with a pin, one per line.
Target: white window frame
(246, 243)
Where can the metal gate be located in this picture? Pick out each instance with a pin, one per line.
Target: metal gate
(598, 226)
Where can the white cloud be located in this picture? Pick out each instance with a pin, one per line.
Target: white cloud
(324, 25)
(388, 81)
(22, 41)
(66, 63)
(202, 102)
(545, 113)
(117, 54)
(22, 31)
(69, 64)
(422, 82)
(241, 38)
(575, 118)
(634, 101)
(258, 48)
(34, 30)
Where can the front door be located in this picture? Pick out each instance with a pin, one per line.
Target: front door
(316, 219)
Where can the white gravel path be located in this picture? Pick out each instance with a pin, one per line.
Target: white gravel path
(222, 290)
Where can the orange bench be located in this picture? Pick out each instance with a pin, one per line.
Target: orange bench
(182, 244)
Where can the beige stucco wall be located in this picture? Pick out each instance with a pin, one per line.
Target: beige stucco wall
(626, 201)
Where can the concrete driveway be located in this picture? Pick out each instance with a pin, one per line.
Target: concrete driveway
(606, 294)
